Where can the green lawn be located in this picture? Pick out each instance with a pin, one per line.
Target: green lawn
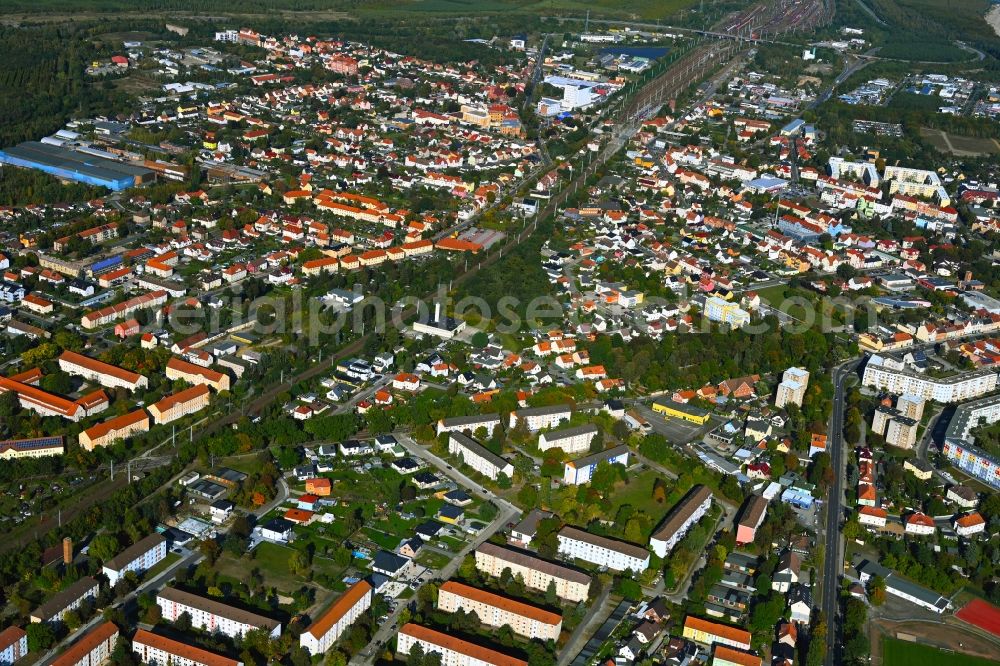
(903, 653)
(272, 561)
(155, 571)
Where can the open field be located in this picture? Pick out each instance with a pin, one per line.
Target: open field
(968, 146)
(939, 637)
(903, 653)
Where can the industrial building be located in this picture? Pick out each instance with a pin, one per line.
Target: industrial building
(74, 164)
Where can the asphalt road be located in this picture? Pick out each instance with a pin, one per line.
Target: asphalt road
(833, 560)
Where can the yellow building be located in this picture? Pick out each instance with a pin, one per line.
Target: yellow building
(676, 410)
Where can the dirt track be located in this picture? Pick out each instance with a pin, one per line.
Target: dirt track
(950, 633)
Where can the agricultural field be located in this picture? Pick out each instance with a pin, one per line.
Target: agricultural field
(963, 146)
(903, 653)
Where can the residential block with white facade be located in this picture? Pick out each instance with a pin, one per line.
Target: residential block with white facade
(964, 386)
(453, 651)
(327, 629)
(140, 556)
(495, 610)
(602, 551)
(156, 650)
(478, 457)
(213, 616)
(571, 584)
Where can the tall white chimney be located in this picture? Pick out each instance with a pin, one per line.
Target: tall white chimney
(437, 311)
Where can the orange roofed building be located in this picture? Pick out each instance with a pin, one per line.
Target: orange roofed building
(453, 651)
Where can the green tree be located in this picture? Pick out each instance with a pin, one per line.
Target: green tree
(104, 546)
(40, 636)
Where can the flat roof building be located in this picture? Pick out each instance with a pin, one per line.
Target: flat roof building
(70, 164)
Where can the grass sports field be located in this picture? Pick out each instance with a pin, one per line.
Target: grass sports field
(903, 653)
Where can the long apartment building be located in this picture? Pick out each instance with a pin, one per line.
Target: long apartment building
(93, 649)
(453, 651)
(571, 584)
(957, 388)
(327, 629)
(140, 556)
(119, 427)
(686, 513)
(105, 374)
(13, 645)
(495, 610)
(195, 374)
(64, 601)
(602, 551)
(156, 650)
(959, 444)
(124, 309)
(537, 418)
(469, 423)
(44, 403)
(38, 447)
(180, 404)
(570, 440)
(478, 457)
(213, 616)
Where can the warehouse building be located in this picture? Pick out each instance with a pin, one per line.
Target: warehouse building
(71, 164)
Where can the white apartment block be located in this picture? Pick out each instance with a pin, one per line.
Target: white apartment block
(863, 171)
(453, 651)
(213, 616)
(93, 649)
(604, 552)
(495, 610)
(156, 650)
(138, 557)
(13, 645)
(66, 600)
(792, 388)
(478, 457)
(570, 440)
(537, 418)
(469, 423)
(950, 389)
(901, 433)
(686, 513)
(571, 585)
(327, 629)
